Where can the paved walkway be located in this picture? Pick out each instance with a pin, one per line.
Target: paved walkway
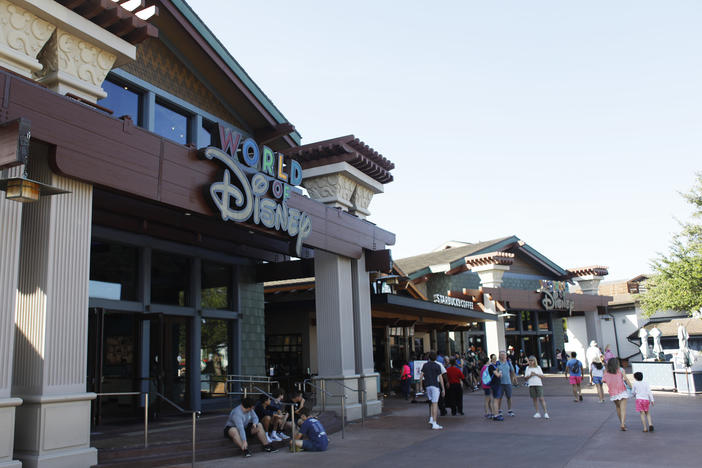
(578, 435)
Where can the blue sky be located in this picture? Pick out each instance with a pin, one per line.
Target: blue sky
(572, 125)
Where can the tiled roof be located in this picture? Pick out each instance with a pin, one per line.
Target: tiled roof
(344, 149)
(413, 264)
(111, 16)
(596, 270)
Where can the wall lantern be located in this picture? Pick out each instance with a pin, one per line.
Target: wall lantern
(14, 151)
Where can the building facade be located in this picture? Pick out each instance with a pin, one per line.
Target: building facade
(169, 181)
(526, 293)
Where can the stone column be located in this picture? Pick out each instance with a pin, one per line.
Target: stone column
(10, 230)
(73, 65)
(53, 424)
(363, 328)
(491, 277)
(589, 284)
(336, 356)
(22, 36)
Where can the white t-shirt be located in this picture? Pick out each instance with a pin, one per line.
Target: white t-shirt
(642, 390)
(443, 369)
(595, 372)
(532, 379)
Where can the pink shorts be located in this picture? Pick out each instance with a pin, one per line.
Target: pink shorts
(575, 379)
(642, 405)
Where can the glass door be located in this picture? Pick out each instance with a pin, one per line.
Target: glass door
(112, 362)
(170, 346)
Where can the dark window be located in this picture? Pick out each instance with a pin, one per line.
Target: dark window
(511, 322)
(114, 271)
(171, 124)
(543, 321)
(284, 354)
(205, 134)
(170, 279)
(216, 286)
(527, 321)
(122, 100)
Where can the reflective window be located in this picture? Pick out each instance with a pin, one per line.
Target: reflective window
(171, 124)
(122, 100)
(114, 271)
(511, 323)
(216, 286)
(543, 320)
(170, 279)
(214, 358)
(527, 321)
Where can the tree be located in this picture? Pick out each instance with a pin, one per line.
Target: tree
(676, 283)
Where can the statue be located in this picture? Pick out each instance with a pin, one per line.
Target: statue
(683, 336)
(657, 348)
(643, 335)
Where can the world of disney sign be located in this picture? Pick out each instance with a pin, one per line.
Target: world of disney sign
(257, 188)
(554, 296)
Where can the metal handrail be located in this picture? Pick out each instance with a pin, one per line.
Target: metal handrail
(195, 414)
(364, 400)
(342, 399)
(292, 409)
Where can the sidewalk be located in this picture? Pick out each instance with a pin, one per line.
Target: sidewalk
(578, 435)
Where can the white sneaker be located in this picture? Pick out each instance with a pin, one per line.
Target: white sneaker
(268, 439)
(431, 421)
(436, 426)
(275, 438)
(282, 436)
(546, 416)
(537, 415)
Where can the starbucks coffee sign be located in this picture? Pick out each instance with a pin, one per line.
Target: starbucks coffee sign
(453, 301)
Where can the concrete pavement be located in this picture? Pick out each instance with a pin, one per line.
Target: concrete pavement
(578, 435)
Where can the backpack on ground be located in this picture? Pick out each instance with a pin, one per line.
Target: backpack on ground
(575, 368)
(486, 378)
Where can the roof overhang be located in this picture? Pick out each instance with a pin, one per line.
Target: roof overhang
(403, 305)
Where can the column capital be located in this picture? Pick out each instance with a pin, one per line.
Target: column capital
(490, 274)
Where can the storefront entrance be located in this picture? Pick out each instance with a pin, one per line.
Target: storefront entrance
(136, 352)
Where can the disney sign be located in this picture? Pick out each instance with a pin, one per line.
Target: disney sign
(258, 188)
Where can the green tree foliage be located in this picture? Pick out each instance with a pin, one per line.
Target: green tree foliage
(677, 280)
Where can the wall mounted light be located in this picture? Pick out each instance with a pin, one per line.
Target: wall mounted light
(14, 151)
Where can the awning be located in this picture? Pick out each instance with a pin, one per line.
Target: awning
(407, 306)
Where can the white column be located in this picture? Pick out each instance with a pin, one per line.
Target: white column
(336, 358)
(491, 277)
(363, 333)
(589, 284)
(10, 230)
(53, 424)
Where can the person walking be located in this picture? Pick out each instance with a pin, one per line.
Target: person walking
(608, 354)
(644, 400)
(454, 397)
(616, 381)
(597, 372)
(574, 374)
(430, 377)
(405, 380)
(533, 376)
(507, 376)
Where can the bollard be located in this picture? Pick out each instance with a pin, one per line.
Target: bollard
(343, 415)
(146, 420)
(194, 432)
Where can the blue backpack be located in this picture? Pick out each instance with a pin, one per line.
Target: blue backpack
(486, 378)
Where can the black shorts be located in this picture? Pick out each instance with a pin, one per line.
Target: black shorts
(226, 430)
